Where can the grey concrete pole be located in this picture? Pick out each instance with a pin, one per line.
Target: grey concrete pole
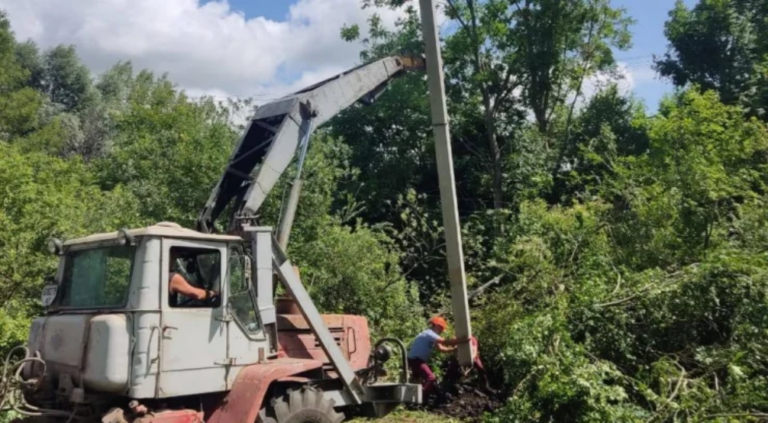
(445, 175)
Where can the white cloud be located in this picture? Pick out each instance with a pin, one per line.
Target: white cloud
(206, 49)
(622, 76)
(644, 74)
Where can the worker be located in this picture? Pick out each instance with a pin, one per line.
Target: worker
(178, 284)
(421, 351)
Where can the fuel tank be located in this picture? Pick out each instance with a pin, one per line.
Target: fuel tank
(94, 349)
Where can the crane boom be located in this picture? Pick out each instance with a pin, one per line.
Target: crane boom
(278, 130)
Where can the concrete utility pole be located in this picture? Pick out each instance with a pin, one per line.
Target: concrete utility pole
(445, 175)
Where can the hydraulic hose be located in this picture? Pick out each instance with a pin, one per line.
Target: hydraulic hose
(11, 383)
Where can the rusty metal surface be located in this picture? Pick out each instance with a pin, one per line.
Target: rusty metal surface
(358, 340)
(413, 62)
(172, 416)
(297, 321)
(244, 401)
(286, 305)
(349, 332)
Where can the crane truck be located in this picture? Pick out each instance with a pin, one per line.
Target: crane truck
(116, 345)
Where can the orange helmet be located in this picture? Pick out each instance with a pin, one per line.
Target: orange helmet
(438, 321)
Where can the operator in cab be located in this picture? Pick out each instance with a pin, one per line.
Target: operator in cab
(421, 351)
(178, 284)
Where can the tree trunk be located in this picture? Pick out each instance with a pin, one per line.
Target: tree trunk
(496, 159)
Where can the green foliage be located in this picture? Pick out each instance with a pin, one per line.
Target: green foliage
(638, 309)
(704, 161)
(355, 270)
(720, 45)
(168, 150)
(18, 103)
(66, 80)
(45, 196)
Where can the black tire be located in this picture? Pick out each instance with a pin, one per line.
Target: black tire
(307, 405)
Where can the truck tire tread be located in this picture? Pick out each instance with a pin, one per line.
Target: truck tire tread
(305, 405)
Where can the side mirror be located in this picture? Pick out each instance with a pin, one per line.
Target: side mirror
(50, 291)
(125, 238)
(55, 246)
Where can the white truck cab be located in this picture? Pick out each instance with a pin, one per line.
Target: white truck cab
(114, 326)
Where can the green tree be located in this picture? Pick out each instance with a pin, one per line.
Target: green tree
(635, 303)
(46, 197)
(67, 81)
(609, 127)
(18, 104)
(705, 159)
(543, 50)
(29, 58)
(168, 150)
(719, 45)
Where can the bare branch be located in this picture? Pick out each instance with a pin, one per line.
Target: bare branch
(452, 5)
(484, 287)
(752, 414)
(643, 290)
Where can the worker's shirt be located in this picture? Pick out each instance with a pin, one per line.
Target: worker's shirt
(423, 345)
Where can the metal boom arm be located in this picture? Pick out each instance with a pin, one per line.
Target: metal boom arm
(274, 134)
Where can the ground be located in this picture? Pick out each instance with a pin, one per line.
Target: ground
(410, 417)
(468, 406)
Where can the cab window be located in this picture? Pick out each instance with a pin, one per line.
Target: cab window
(201, 268)
(241, 298)
(97, 277)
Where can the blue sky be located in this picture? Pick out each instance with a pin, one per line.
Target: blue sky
(270, 9)
(648, 38)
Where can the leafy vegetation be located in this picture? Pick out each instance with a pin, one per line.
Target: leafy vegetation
(631, 249)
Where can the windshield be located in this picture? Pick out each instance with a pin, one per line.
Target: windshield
(97, 278)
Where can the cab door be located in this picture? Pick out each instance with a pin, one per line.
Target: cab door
(247, 340)
(194, 336)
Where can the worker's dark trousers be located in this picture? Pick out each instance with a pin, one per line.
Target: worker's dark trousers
(420, 369)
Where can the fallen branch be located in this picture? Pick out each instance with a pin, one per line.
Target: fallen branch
(753, 414)
(644, 290)
(476, 293)
(479, 291)
(523, 382)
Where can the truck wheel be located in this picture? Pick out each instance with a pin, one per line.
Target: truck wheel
(307, 405)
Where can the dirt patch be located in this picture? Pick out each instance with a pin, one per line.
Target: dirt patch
(466, 403)
(466, 396)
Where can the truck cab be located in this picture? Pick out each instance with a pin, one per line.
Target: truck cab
(114, 326)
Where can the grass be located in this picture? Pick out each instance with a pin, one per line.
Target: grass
(404, 416)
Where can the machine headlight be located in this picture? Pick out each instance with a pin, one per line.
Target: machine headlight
(124, 238)
(55, 246)
(383, 353)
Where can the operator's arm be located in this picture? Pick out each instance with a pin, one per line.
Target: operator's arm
(451, 342)
(444, 348)
(180, 285)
